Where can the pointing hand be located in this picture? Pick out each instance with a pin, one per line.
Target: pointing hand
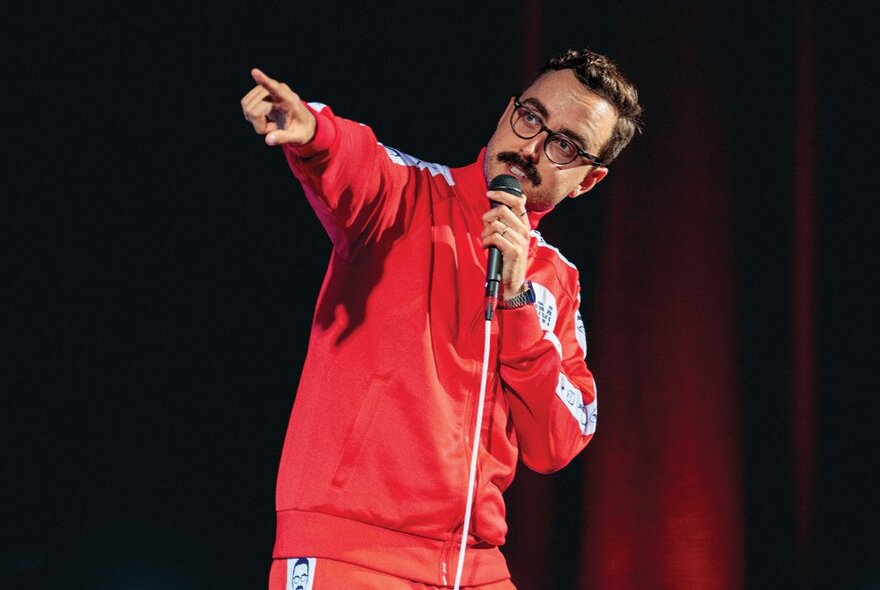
(277, 112)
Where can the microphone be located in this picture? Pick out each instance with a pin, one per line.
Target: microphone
(508, 184)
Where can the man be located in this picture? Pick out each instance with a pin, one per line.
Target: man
(299, 575)
(373, 477)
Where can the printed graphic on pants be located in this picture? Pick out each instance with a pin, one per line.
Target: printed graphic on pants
(300, 573)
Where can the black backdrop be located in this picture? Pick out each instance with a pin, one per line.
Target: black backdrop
(159, 268)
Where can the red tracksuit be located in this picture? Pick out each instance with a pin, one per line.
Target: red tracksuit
(375, 464)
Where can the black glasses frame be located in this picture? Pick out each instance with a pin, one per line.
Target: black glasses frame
(517, 104)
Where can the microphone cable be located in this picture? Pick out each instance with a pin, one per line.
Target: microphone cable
(508, 184)
(472, 475)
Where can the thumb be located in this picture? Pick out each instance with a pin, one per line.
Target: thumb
(298, 127)
(280, 137)
(293, 136)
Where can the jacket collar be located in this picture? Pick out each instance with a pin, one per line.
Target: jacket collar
(475, 175)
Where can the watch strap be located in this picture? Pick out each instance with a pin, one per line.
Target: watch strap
(526, 297)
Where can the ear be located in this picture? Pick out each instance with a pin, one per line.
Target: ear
(592, 178)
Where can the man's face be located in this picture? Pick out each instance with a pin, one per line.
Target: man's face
(566, 106)
(300, 576)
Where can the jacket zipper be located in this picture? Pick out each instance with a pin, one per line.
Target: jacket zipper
(470, 416)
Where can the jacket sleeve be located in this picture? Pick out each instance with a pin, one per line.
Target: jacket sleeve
(349, 180)
(550, 390)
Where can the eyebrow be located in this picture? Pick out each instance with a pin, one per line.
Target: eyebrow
(542, 110)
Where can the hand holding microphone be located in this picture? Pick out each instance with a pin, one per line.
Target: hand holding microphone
(506, 234)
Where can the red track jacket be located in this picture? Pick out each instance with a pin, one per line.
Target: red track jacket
(374, 468)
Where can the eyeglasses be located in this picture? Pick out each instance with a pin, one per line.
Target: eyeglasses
(558, 147)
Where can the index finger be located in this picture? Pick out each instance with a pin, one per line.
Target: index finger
(271, 85)
(506, 215)
(506, 198)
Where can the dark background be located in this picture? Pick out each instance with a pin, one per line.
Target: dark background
(160, 265)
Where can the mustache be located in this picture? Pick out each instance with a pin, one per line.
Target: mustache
(527, 167)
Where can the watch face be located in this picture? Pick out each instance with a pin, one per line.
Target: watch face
(530, 294)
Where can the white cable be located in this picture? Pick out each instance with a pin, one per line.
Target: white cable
(472, 477)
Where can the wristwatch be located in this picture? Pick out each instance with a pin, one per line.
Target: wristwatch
(526, 297)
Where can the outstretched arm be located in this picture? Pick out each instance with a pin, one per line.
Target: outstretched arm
(348, 178)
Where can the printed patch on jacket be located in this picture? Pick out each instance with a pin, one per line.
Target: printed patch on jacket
(585, 414)
(545, 305)
(300, 573)
(580, 331)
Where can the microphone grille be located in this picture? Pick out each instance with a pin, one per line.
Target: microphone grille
(506, 183)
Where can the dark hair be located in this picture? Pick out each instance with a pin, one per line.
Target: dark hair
(301, 561)
(600, 75)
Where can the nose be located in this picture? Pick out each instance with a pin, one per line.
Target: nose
(531, 148)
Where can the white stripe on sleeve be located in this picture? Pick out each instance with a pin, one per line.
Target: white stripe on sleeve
(585, 414)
